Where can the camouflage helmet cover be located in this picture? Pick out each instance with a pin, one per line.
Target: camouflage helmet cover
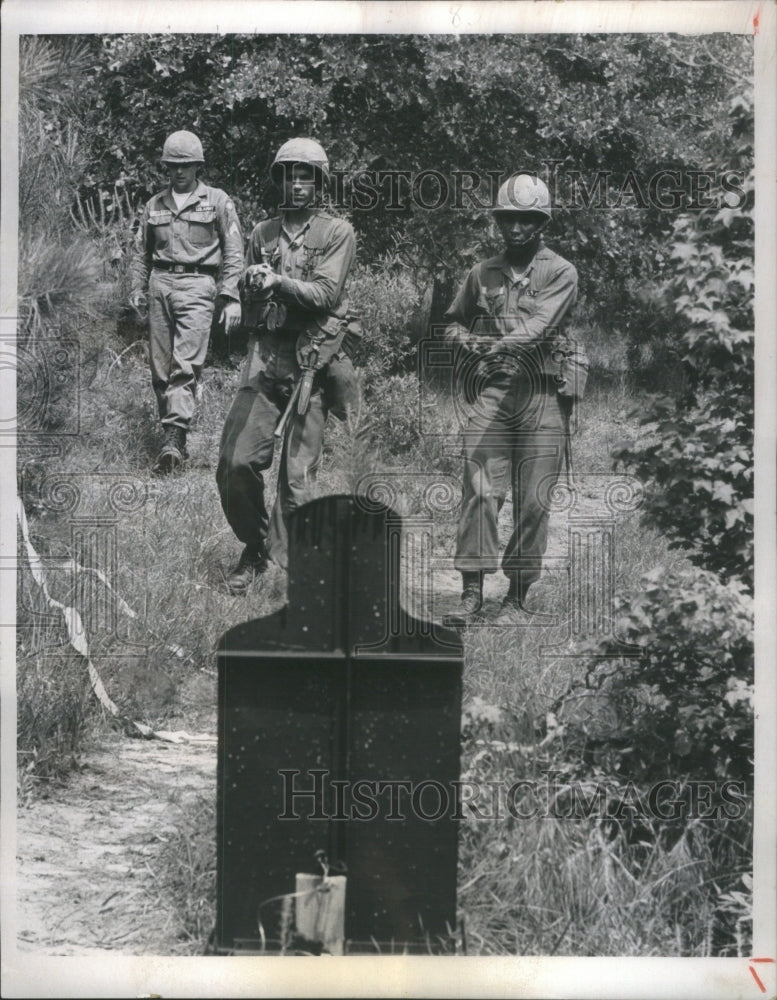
(182, 147)
(523, 193)
(301, 150)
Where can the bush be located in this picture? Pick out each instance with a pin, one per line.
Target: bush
(683, 710)
(696, 453)
(388, 302)
(393, 402)
(53, 700)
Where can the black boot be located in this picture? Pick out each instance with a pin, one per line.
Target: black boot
(173, 451)
(516, 591)
(514, 611)
(253, 562)
(182, 441)
(470, 604)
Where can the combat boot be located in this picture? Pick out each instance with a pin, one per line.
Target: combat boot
(253, 562)
(173, 451)
(470, 604)
(511, 612)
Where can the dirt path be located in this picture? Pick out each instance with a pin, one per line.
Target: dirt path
(89, 877)
(94, 855)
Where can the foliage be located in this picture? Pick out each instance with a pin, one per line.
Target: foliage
(52, 690)
(386, 300)
(684, 708)
(58, 269)
(697, 448)
(395, 430)
(579, 863)
(590, 103)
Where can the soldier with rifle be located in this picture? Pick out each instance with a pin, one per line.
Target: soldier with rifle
(295, 303)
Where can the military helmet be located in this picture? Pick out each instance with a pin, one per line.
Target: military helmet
(523, 193)
(182, 147)
(301, 151)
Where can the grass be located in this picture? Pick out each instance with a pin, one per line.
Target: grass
(187, 862)
(525, 886)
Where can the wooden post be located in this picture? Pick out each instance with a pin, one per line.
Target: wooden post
(320, 910)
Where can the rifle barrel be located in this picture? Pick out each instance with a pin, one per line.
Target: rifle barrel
(281, 427)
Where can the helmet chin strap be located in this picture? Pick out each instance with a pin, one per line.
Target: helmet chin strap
(529, 239)
(518, 250)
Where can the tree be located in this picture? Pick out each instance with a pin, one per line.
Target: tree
(685, 707)
(697, 449)
(626, 104)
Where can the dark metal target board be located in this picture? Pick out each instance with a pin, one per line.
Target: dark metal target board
(339, 743)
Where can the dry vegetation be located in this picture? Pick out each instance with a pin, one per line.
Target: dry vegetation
(534, 886)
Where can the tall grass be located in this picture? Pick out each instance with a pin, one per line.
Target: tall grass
(535, 886)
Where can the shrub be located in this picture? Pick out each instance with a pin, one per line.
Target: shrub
(393, 402)
(388, 302)
(683, 710)
(696, 453)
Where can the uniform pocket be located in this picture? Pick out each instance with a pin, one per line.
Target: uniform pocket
(159, 227)
(495, 301)
(573, 371)
(201, 227)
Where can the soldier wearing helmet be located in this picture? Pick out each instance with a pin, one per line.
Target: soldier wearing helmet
(189, 255)
(295, 302)
(506, 322)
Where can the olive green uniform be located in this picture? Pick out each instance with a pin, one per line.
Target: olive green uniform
(185, 257)
(314, 264)
(514, 437)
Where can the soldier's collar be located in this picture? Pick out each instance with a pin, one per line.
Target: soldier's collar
(294, 236)
(200, 192)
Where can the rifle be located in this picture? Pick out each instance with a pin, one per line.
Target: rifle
(289, 409)
(301, 392)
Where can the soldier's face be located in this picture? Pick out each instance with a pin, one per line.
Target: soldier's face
(300, 186)
(183, 176)
(519, 229)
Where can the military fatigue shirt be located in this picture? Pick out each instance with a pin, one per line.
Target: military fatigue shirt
(204, 231)
(523, 310)
(314, 264)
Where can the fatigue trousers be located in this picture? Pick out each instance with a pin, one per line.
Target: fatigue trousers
(180, 312)
(514, 439)
(247, 445)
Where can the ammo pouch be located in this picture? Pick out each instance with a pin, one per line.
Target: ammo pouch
(572, 372)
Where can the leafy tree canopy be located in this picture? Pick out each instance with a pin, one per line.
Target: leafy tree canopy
(555, 103)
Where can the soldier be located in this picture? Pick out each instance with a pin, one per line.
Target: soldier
(189, 252)
(295, 302)
(517, 369)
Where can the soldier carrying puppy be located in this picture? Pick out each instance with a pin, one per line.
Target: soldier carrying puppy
(295, 303)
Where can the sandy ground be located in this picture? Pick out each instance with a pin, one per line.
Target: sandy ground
(86, 852)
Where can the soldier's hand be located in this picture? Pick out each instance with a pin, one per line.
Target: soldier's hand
(139, 303)
(480, 345)
(255, 276)
(230, 315)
